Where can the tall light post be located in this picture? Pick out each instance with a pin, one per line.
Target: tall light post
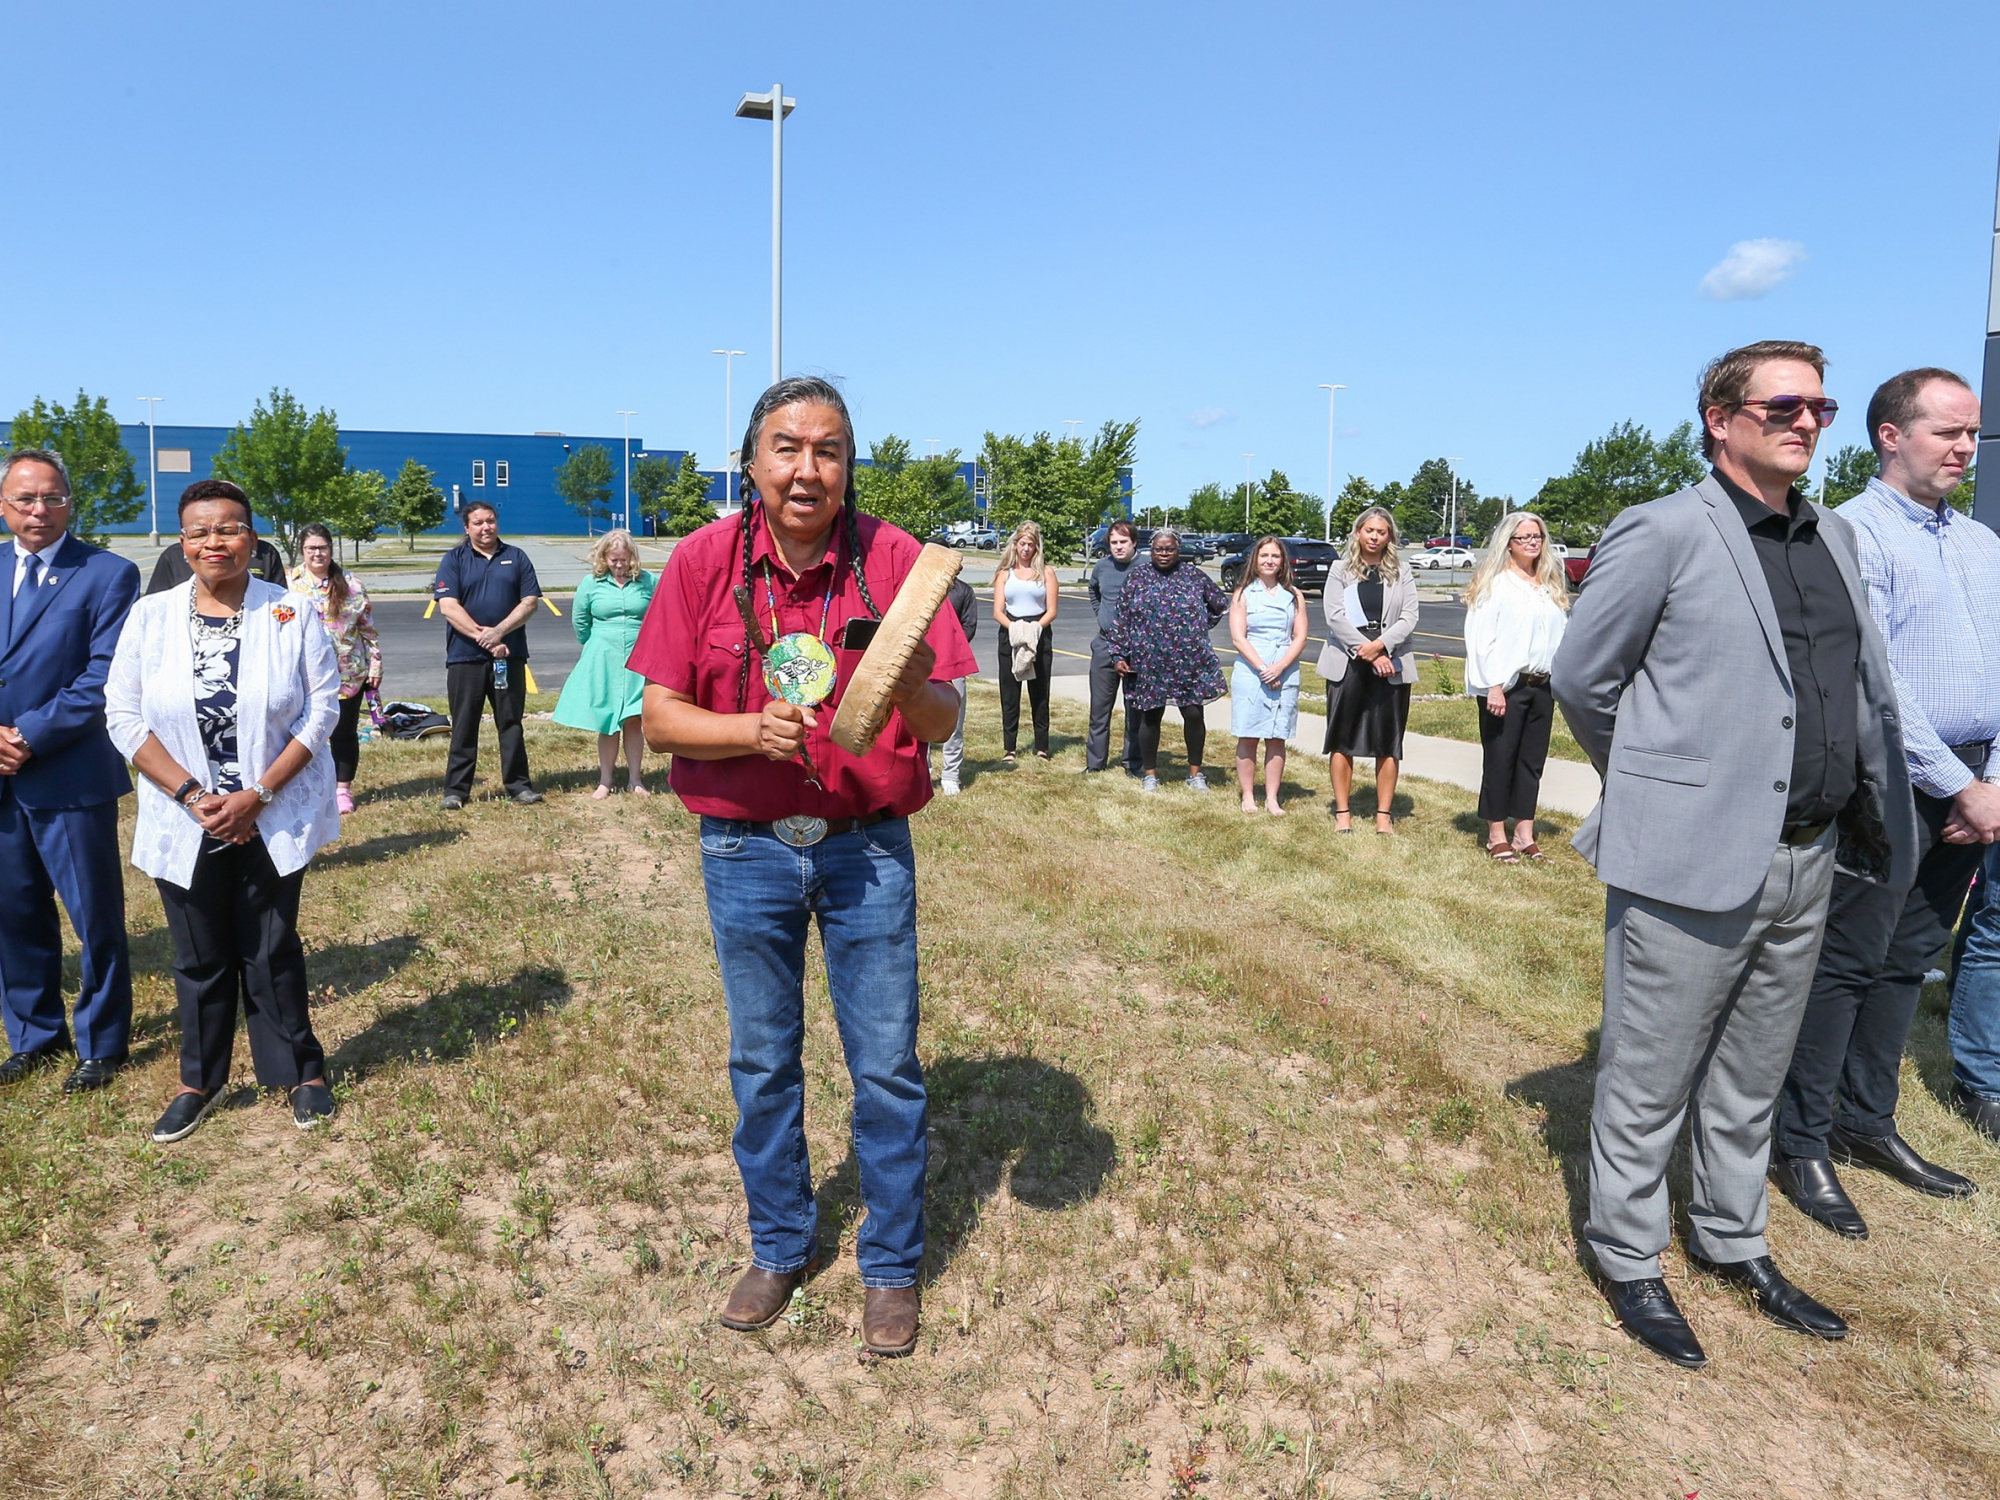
(628, 416)
(1329, 389)
(152, 465)
(774, 106)
(1072, 423)
(1451, 526)
(1246, 489)
(729, 358)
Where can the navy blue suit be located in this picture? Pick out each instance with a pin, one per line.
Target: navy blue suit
(59, 812)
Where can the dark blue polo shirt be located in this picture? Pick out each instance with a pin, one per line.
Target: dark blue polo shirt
(489, 588)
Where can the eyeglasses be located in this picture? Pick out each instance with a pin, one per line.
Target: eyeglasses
(228, 531)
(38, 502)
(1530, 536)
(1784, 410)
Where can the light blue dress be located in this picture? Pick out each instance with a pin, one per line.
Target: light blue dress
(1257, 712)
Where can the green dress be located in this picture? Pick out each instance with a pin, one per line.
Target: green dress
(602, 693)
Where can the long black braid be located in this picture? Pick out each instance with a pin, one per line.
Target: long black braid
(791, 391)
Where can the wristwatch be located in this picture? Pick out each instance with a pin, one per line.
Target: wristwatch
(264, 793)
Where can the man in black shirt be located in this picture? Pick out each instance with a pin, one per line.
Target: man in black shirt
(486, 589)
(172, 570)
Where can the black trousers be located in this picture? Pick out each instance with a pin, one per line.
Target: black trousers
(236, 929)
(1516, 747)
(1148, 722)
(1105, 681)
(1038, 691)
(1879, 942)
(344, 744)
(470, 687)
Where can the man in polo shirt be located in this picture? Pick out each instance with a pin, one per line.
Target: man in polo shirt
(795, 829)
(486, 589)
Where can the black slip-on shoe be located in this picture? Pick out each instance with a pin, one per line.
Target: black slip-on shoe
(94, 1073)
(312, 1105)
(451, 802)
(1777, 1298)
(1894, 1157)
(1810, 1185)
(527, 797)
(1984, 1114)
(25, 1064)
(184, 1116)
(1647, 1311)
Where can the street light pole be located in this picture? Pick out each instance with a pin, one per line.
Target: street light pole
(152, 466)
(1329, 389)
(1072, 423)
(774, 106)
(1451, 527)
(1246, 489)
(628, 416)
(729, 358)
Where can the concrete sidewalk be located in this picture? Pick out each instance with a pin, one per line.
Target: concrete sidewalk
(1567, 786)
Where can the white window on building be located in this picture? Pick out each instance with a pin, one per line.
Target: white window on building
(500, 472)
(176, 461)
(479, 473)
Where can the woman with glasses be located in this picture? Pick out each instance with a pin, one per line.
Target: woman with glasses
(222, 694)
(1024, 594)
(1515, 609)
(343, 608)
(603, 694)
(1159, 640)
(1371, 610)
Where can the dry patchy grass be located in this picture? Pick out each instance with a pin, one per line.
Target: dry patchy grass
(1256, 1155)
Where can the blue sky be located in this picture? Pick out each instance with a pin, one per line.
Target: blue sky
(1491, 222)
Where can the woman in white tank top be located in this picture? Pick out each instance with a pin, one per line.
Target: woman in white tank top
(1024, 606)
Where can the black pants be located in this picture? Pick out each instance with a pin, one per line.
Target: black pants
(470, 687)
(1516, 746)
(1878, 944)
(1105, 681)
(1038, 691)
(236, 929)
(344, 744)
(1147, 723)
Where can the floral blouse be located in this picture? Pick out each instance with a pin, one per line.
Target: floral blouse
(1161, 631)
(352, 627)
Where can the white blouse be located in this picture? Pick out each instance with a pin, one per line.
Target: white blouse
(287, 687)
(1514, 628)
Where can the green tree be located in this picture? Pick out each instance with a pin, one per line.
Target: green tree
(1213, 508)
(1277, 509)
(1064, 485)
(103, 489)
(651, 479)
(684, 505)
(1848, 472)
(355, 506)
(414, 503)
(920, 495)
(1961, 498)
(1627, 466)
(284, 460)
(584, 480)
(1355, 497)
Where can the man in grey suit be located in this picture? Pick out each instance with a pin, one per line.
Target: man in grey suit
(1723, 673)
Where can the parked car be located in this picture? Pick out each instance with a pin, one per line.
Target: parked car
(1312, 560)
(1576, 562)
(1449, 541)
(970, 536)
(1443, 557)
(1228, 543)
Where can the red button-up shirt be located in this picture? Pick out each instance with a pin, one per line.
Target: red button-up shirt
(692, 642)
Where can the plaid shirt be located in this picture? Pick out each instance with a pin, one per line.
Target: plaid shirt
(1934, 589)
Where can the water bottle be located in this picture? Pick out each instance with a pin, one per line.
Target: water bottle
(500, 674)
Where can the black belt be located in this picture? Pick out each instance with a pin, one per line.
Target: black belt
(1800, 835)
(1974, 756)
(802, 830)
(1533, 679)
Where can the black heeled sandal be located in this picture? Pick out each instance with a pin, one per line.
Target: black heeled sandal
(1341, 812)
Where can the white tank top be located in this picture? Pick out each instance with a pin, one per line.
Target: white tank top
(1026, 600)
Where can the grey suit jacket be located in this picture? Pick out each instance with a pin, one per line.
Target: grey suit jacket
(1399, 623)
(1673, 678)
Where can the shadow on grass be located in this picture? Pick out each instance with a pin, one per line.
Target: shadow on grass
(385, 847)
(1563, 1095)
(342, 969)
(1009, 1120)
(450, 1026)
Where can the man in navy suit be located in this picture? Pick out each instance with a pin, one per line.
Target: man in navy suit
(62, 605)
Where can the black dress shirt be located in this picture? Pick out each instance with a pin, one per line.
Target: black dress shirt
(1822, 648)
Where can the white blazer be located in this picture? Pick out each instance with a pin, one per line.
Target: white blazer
(287, 687)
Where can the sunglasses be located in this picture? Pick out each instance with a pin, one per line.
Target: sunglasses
(1784, 410)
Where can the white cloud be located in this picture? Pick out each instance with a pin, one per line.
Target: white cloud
(1751, 269)
(1208, 416)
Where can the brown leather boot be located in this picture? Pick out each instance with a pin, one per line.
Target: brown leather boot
(889, 1320)
(758, 1298)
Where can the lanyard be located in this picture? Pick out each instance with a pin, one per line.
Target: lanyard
(826, 606)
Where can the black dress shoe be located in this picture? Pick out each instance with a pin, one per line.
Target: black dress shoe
(1983, 1113)
(94, 1073)
(1893, 1156)
(184, 1116)
(527, 797)
(1810, 1184)
(451, 801)
(22, 1064)
(1777, 1298)
(1647, 1310)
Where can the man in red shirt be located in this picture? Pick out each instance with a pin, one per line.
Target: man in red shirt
(795, 829)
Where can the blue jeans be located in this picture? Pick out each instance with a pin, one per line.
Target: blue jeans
(1975, 991)
(862, 888)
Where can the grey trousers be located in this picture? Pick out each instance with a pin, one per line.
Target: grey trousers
(1104, 689)
(1700, 1013)
(954, 748)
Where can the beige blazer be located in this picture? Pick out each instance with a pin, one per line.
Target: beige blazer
(1399, 623)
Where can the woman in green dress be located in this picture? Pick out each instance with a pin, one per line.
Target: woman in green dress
(602, 694)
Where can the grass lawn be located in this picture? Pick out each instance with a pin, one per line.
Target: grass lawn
(1257, 1159)
(1455, 717)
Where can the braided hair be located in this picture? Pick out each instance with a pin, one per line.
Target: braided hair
(794, 390)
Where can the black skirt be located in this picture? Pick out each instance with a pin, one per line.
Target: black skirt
(1366, 714)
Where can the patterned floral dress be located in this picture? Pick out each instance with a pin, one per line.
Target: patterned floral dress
(1161, 632)
(352, 627)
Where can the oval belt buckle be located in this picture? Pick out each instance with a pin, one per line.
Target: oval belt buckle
(800, 831)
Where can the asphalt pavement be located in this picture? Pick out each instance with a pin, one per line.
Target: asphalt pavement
(413, 647)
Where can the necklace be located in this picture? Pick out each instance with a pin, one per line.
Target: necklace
(204, 629)
(800, 667)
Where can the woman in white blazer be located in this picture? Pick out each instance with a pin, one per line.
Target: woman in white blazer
(1371, 612)
(1516, 608)
(222, 693)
